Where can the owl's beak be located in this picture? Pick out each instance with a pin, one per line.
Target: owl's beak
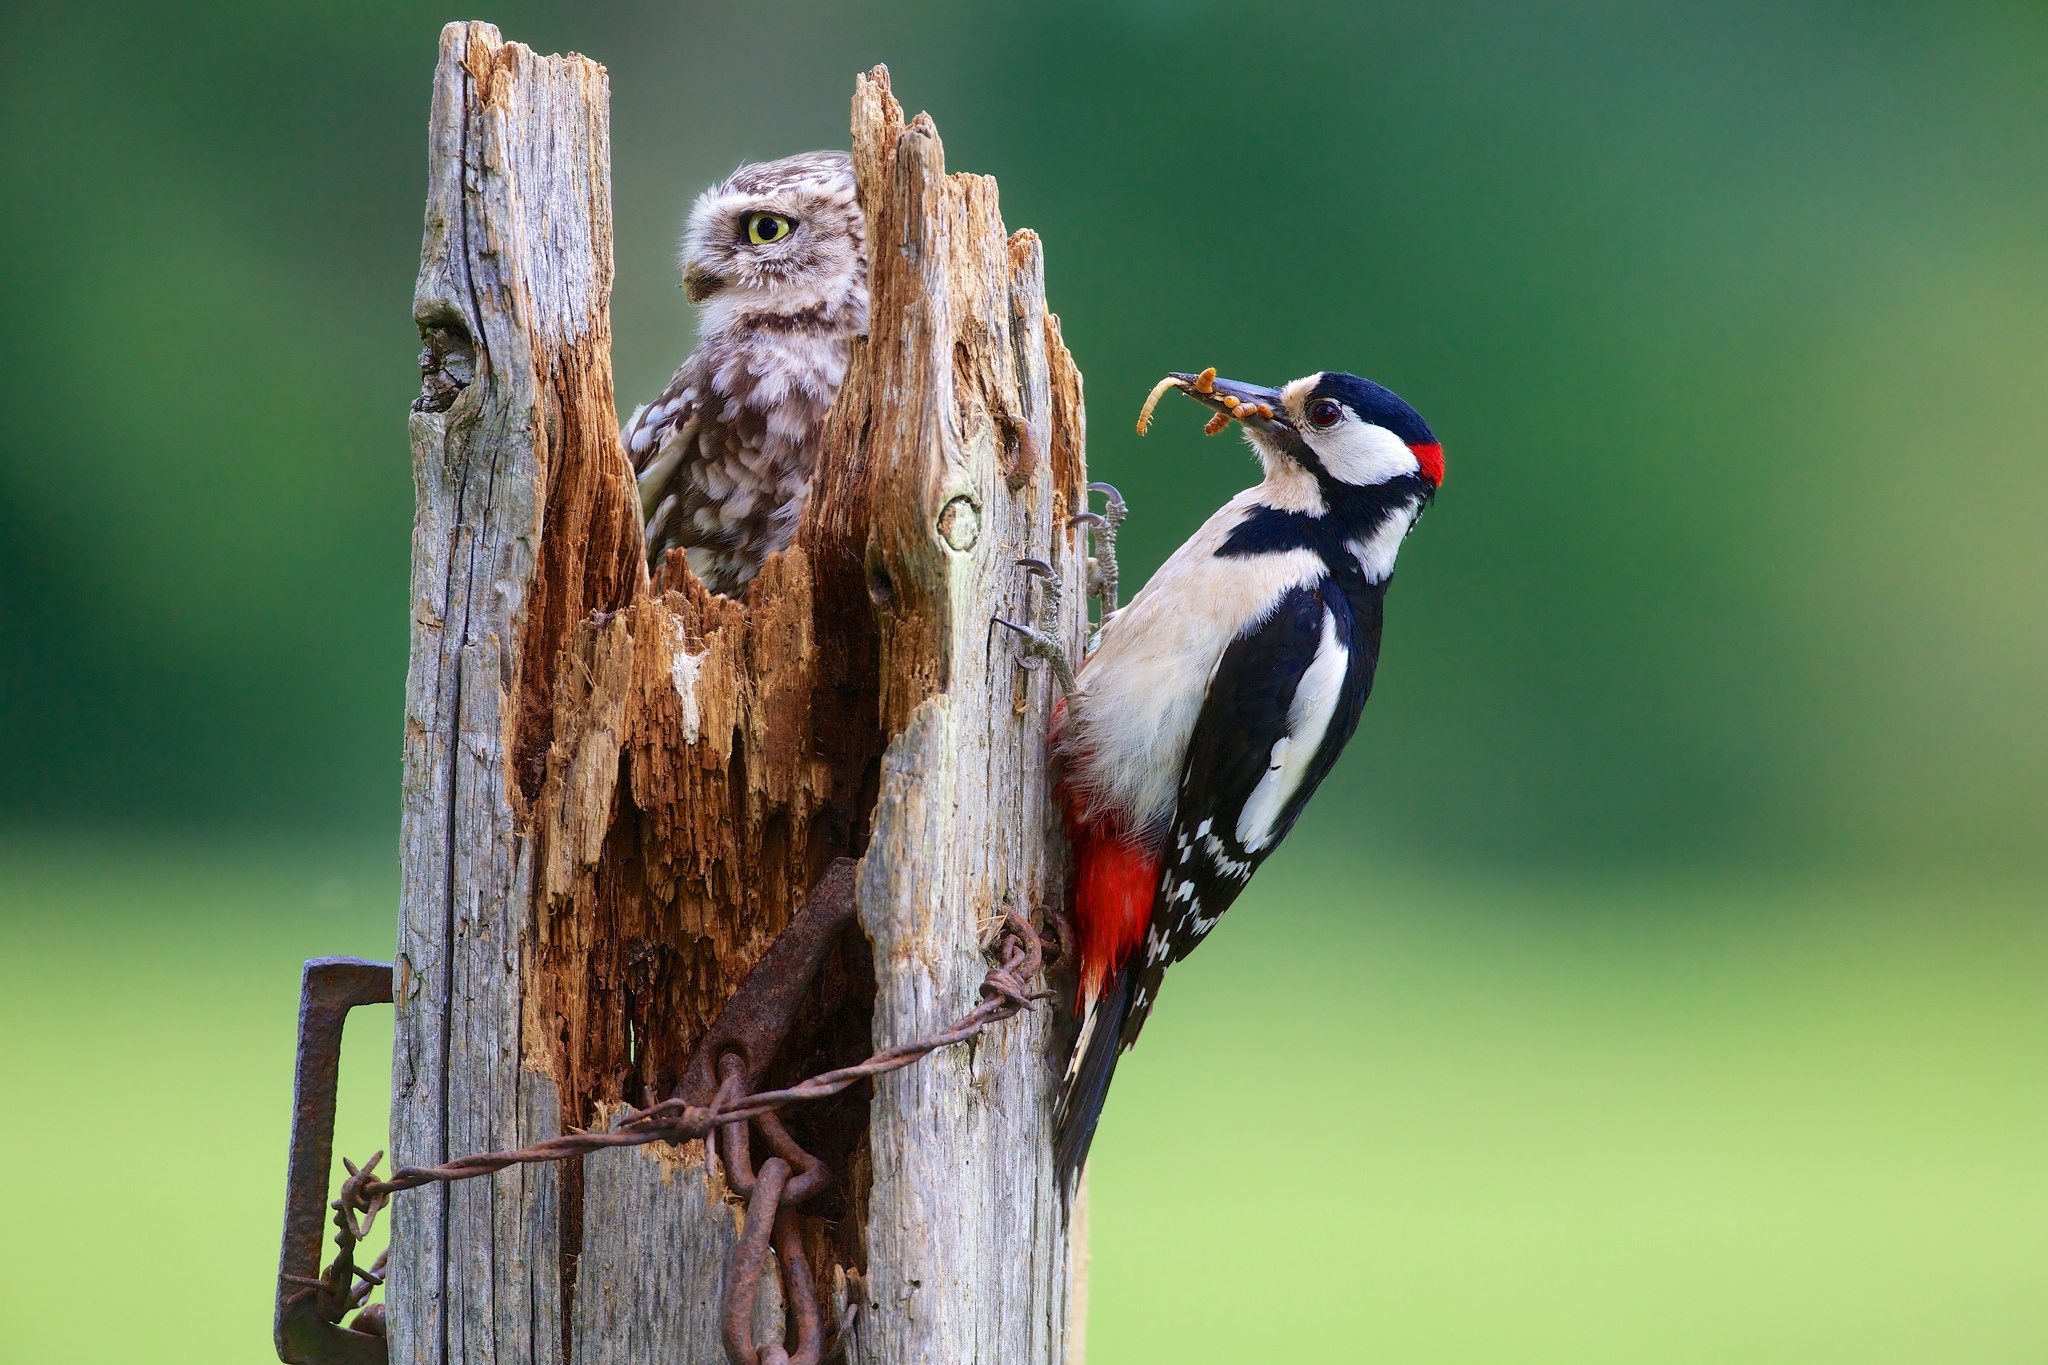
(700, 284)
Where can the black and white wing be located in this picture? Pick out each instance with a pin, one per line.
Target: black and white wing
(1283, 701)
(724, 456)
(661, 441)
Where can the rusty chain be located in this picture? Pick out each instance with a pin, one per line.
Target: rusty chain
(743, 1047)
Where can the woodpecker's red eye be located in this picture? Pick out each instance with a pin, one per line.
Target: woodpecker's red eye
(1324, 414)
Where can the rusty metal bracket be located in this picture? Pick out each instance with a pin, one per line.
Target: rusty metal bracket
(306, 1325)
(753, 1022)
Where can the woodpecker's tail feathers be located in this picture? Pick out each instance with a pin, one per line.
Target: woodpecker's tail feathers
(1087, 1080)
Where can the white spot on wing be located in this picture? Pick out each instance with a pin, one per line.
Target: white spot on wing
(1315, 702)
(1219, 854)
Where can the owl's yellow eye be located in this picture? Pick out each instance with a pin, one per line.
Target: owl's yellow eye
(763, 228)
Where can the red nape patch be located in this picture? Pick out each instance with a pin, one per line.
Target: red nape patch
(1431, 458)
(1114, 881)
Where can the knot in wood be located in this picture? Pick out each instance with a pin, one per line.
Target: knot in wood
(960, 523)
(447, 365)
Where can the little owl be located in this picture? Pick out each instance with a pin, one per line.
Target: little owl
(776, 255)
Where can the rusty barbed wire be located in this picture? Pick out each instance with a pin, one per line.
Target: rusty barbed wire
(337, 1293)
(788, 1177)
(1003, 996)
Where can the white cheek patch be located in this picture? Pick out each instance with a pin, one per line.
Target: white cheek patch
(1375, 554)
(1358, 453)
(1308, 719)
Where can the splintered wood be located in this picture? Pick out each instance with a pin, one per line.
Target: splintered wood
(616, 789)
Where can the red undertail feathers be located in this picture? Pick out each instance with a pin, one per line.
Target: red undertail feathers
(1115, 878)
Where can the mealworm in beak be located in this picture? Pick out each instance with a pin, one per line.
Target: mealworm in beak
(1152, 401)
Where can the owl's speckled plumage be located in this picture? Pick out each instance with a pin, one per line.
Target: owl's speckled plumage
(725, 454)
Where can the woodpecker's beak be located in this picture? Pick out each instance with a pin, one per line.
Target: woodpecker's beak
(1251, 404)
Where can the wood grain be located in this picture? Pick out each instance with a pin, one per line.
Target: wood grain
(523, 525)
(966, 1233)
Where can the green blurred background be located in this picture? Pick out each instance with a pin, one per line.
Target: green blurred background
(1660, 978)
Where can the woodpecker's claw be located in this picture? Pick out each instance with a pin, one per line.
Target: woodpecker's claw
(1042, 643)
(1041, 649)
(1102, 528)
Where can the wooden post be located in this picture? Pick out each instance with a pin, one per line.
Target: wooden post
(616, 790)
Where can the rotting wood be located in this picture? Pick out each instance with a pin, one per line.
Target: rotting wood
(523, 526)
(617, 789)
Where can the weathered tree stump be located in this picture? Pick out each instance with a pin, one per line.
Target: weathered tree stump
(617, 789)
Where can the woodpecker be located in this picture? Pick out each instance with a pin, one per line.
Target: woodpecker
(1214, 704)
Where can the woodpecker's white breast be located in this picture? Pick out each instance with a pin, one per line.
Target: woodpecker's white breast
(1125, 736)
